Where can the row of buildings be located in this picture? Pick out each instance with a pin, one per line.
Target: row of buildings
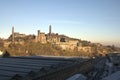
(66, 43)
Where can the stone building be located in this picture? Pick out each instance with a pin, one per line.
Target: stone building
(17, 34)
(52, 37)
(85, 48)
(65, 42)
(6, 43)
(41, 37)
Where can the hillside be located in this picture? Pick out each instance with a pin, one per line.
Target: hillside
(52, 44)
(30, 48)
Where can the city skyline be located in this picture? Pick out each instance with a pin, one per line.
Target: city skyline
(95, 21)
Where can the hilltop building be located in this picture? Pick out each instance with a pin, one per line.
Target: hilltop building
(16, 36)
(66, 43)
(41, 37)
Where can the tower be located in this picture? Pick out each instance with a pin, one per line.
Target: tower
(39, 36)
(38, 32)
(13, 34)
(50, 30)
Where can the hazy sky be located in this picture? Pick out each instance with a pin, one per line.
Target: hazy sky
(92, 20)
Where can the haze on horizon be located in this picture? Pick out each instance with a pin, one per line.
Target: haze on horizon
(91, 20)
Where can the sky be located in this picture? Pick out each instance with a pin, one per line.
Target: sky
(91, 20)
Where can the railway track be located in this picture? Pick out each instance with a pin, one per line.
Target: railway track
(65, 72)
(23, 68)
